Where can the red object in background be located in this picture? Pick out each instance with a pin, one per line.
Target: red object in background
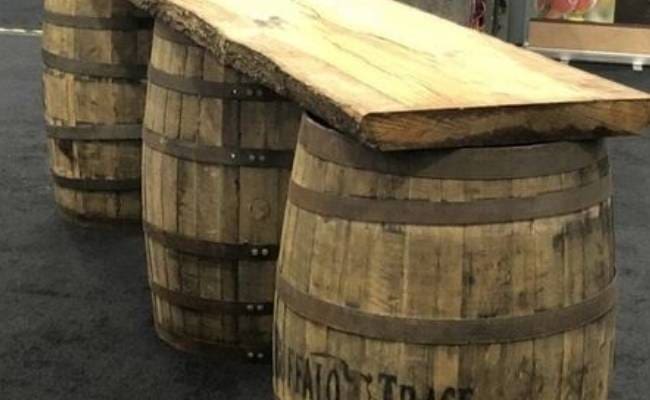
(585, 5)
(563, 6)
(579, 10)
(559, 8)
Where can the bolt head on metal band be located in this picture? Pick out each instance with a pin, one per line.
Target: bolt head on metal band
(261, 352)
(197, 86)
(251, 355)
(217, 155)
(210, 306)
(211, 250)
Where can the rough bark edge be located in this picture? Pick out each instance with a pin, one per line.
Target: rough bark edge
(606, 119)
(364, 128)
(250, 62)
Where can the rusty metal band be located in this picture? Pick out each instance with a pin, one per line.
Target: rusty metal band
(211, 306)
(217, 90)
(212, 250)
(490, 163)
(217, 155)
(258, 353)
(116, 23)
(448, 332)
(417, 212)
(102, 70)
(95, 132)
(97, 185)
(165, 32)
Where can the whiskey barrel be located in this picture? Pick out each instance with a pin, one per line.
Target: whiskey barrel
(95, 54)
(217, 156)
(482, 273)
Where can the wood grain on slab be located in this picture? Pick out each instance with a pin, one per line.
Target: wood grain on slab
(400, 78)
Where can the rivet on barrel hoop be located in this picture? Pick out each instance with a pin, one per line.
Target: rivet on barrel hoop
(209, 164)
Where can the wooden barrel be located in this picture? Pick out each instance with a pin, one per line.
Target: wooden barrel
(479, 274)
(95, 54)
(217, 157)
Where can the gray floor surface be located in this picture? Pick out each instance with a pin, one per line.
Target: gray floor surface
(74, 305)
(75, 310)
(20, 13)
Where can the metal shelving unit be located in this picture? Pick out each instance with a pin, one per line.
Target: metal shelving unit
(636, 61)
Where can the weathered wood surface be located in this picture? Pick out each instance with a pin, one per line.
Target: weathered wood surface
(211, 203)
(400, 78)
(94, 118)
(438, 271)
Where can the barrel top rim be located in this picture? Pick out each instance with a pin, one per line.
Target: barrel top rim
(314, 121)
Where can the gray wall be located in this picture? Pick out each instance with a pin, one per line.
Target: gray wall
(460, 11)
(508, 19)
(454, 10)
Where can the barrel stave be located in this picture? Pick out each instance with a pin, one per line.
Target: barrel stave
(444, 271)
(86, 96)
(199, 196)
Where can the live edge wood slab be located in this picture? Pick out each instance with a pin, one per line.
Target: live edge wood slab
(399, 78)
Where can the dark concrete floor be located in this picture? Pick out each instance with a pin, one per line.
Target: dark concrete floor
(20, 13)
(74, 304)
(631, 164)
